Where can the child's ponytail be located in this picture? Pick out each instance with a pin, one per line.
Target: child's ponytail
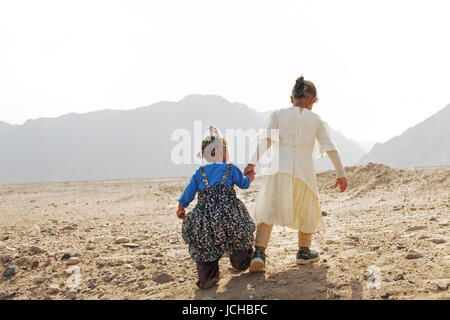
(213, 142)
(303, 88)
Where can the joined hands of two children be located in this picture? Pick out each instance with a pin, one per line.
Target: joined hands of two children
(249, 174)
(341, 182)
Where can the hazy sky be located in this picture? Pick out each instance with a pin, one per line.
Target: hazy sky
(379, 66)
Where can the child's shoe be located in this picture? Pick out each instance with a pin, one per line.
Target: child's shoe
(307, 256)
(258, 263)
(209, 284)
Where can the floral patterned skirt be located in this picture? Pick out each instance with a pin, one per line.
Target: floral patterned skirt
(219, 223)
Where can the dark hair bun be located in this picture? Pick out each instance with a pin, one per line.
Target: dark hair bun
(299, 85)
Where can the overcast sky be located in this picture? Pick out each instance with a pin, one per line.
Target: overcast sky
(379, 66)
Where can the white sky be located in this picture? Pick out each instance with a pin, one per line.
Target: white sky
(379, 66)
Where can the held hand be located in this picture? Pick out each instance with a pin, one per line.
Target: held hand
(342, 183)
(249, 168)
(181, 212)
(251, 175)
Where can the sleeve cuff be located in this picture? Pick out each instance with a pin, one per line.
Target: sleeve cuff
(324, 149)
(246, 183)
(183, 203)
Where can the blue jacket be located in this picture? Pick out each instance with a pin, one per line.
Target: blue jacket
(214, 173)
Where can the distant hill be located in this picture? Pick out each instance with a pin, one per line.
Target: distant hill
(426, 144)
(117, 144)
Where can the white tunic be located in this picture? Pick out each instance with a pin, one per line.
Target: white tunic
(292, 150)
(288, 195)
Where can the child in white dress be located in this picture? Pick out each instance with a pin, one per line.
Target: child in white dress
(289, 195)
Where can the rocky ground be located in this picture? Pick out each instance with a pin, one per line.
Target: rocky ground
(387, 237)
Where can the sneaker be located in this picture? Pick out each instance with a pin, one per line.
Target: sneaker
(307, 256)
(258, 263)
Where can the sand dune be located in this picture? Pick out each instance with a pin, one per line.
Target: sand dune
(122, 240)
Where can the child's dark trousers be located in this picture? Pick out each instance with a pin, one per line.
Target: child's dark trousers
(208, 272)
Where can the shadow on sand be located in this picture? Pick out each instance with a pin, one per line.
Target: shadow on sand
(297, 283)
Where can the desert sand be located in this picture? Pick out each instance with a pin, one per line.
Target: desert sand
(386, 237)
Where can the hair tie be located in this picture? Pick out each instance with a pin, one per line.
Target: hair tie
(213, 131)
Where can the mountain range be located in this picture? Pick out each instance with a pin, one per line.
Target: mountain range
(425, 144)
(132, 144)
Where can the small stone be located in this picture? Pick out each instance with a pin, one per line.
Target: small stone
(51, 231)
(399, 277)
(38, 280)
(108, 278)
(73, 260)
(330, 285)
(386, 296)
(331, 241)
(92, 284)
(411, 254)
(443, 284)
(100, 263)
(159, 255)
(181, 280)
(372, 275)
(22, 261)
(34, 264)
(131, 245)
(121, 240)
(140, 267)
(72, 269)
(70, 296)
(5, 295)
(66, 256)
(53, 289)
(438, 241)
(10, 271)
(400, 247)
(73, 283)
(163, 278)
(35, 250)
(415, 228)
(324, 213)
(6, 258)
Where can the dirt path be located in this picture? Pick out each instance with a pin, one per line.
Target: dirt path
(385, 214)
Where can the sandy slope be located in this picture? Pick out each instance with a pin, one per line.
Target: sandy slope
(385, 213)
